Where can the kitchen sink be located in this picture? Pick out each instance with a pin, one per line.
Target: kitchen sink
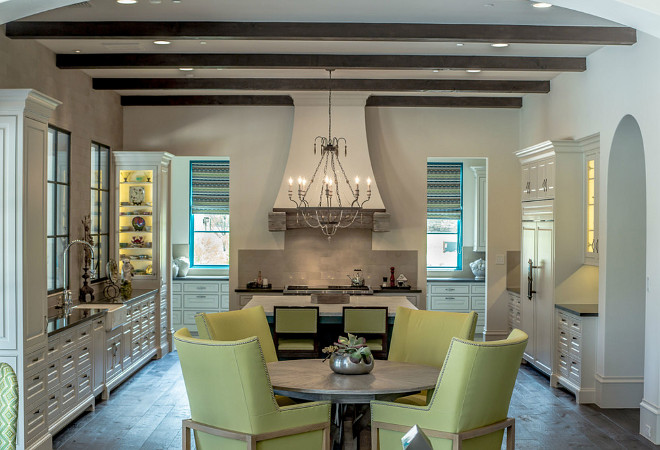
(116, 316)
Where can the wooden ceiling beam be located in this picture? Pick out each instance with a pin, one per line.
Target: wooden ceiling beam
(318, 61)
(444, 102)
(206, 100)
(533, 34)
(317, 84)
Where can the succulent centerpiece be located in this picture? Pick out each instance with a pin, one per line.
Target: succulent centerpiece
(350, 355)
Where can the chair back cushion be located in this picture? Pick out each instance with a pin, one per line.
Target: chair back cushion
(235, 325)
(423, 337)
(8, 407)
(294, 319)
(475, 386)
(227, 385)
(365, 320)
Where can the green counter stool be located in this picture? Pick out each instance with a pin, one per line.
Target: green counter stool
(232, 405)
(369, 322)
(8, 407)
(296, 331)
(470, 403)
(423, 337)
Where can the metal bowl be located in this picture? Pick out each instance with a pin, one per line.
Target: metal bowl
(341, 363)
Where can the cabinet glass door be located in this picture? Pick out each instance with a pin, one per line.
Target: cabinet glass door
(591, 209)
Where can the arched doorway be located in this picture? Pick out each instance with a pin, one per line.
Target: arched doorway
(620, 372)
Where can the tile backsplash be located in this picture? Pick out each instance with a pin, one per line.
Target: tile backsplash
(309, 258)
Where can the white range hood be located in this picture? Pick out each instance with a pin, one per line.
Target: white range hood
(348, 121)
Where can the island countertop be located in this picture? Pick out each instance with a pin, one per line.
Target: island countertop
(580, 309)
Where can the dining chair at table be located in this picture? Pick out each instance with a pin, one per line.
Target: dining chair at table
(232, 405)
(296, 331)
(369, 322)
(469, 407)
(423, 337)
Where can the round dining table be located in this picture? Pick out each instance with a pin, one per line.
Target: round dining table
(312, 379)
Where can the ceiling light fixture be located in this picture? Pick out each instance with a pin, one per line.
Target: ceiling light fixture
(499, 44)
(541, 5)
(473, 70)
(162, 42)
(127, 2)
(76, 51)
(329, 214)
(186, 69)
(436, 70)
(460, 45)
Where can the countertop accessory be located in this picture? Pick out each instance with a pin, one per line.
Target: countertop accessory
(401, 280)
(392, 283)
(175, 270)
(66, 300)
(357, 279)
(478, 268)
(127, 271)
(330, 213)
(86, 292)
(350, 355)
(184, 265)
(111, 289)
(255, 285)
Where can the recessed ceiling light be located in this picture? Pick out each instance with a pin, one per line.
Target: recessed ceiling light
(202, 42)
(499, 45)
(186, 69)
(459, 45)
(436, 70)
(541, 5)
(473, 70)
(162, 42)
(76, 51)
(126, 2)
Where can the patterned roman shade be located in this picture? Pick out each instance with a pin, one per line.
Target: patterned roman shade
(443, 190)
(209, 187)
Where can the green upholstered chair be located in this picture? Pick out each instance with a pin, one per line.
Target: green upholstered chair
(469, 405)
(296, 331)
(8, 407)
(369, 322)
(423, 337)
(232, 405)
(234, 325)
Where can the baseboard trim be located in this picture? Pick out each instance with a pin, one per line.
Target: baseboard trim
(649, 421)
(619, 392)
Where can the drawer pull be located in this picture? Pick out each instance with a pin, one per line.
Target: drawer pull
(37, 412)
(69, 357)
(52, 366)
(52, 397)
(84, 376)
(574, 338)
(85, 349)
(201, 288)
(52, 349)
(201, 296)
(84, 333)
(69, 386)
(37, 378)
(450, 289)
(35, 359)
(562, 333)
(100, 322)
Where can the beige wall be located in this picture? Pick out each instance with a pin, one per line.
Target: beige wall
(87, 114)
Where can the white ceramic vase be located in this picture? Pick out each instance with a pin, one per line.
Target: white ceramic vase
(184, 265)
(478, 268)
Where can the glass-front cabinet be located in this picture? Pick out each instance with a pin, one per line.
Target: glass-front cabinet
(142, 223)
(591, 244)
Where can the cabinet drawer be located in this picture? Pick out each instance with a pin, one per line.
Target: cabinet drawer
(36, 385)
(224, 287)
(478, 303)
(176, 301)
(450, 302)
(176, 319)
(189, 317)
(54, 405)
(478, 289)
(563, 363)
(176, 287)
(564, 342)
(67, 365)
(68, 395)
(224, 302)
(201, 287)
(35, 359)
(53, 349)
(575, 325)
(563, 322)
(35, 421)
(67, 342)
(574, 372)
(84, 390)
(202, 301)
(450, 289)
(575, 347)
(84, 356)
(84, 332)
(53, 374)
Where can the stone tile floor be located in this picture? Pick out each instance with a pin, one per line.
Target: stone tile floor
(146, 412)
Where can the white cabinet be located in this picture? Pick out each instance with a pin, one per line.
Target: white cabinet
(458, 296)
(412, 297)
(538, 179)
(591, 197)
(575, 347)
(191, 296)
(480, 209)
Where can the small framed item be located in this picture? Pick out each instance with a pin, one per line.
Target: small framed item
(415, 439)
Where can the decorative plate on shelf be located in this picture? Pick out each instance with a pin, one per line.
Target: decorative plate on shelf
(136, 195)
(138, 223)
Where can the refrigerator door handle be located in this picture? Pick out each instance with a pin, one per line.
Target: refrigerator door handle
(530, 278)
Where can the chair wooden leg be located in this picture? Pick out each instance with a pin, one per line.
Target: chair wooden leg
(185, 437)
(374, 437)
(511, 436)
(327, 444)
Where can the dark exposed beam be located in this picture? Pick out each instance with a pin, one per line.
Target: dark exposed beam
(325, 31)
(207, 100)
(445, 102)
(316, 84)
(300, 61)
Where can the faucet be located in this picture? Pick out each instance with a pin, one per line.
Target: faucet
(67, 299)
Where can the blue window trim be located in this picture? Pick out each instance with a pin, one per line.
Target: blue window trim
(459, 239)
(191, 227)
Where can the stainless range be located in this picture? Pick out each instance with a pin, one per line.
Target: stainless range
(309, 290)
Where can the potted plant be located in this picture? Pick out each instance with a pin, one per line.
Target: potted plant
(350, 356)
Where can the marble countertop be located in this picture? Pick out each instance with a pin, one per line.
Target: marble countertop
(580, 309)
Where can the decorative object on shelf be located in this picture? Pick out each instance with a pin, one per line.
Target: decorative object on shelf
(127, 272)
(136, 194)
(149, 270)
(138, 223)
(478, 268)
(86, 292)
(184, 265)
(126, 174)
(329, 214)
(111, 289)
(357, 279)
(401, 281)
(350, 356)
(148, 179)
(137, 241)
(175, 270)
(392, 282)
(384, 281)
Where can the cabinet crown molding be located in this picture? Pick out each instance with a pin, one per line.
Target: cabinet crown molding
(29, 102)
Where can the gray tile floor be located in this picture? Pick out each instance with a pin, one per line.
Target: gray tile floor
(146, 412)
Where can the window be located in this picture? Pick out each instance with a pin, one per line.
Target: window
(99, 208)
(444, 215)
(57, 222)
(209, 213)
